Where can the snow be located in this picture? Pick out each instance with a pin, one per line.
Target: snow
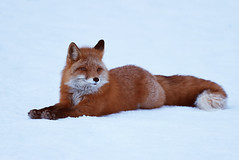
(187, 37)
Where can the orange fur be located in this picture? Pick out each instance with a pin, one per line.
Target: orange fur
(183, 90)
(88, 88)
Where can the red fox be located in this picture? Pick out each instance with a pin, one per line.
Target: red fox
(88, 88)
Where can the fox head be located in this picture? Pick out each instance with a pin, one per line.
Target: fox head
(86, 72)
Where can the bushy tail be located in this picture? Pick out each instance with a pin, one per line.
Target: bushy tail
(192, 91)
(208, 100)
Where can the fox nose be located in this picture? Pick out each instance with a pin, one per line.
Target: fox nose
(96, 79)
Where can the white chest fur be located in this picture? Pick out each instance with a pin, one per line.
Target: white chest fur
(76, 97)
(80, 86)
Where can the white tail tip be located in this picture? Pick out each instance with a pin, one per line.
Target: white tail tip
(210, 101)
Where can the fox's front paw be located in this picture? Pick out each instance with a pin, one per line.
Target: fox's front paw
(47, 114)
(34, 114)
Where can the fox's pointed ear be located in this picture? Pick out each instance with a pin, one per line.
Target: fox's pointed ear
(73, 52)
(100, 45)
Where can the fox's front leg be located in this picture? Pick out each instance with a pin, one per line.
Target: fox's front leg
(77, 111)
(60, 113)
(37, 113)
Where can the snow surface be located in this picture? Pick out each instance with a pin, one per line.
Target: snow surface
(198, 37)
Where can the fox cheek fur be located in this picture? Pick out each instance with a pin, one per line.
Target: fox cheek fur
(88, 88)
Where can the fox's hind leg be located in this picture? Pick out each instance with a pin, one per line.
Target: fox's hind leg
(154, 94)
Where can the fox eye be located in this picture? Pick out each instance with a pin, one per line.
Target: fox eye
(82, 68)
(99, 69)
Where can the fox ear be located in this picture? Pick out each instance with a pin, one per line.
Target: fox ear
(73, 52)
(100, 45)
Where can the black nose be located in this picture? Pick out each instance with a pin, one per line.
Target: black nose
(96, 79)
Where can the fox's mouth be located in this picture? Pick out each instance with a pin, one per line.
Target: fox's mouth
(93, 84)
(87, 81)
